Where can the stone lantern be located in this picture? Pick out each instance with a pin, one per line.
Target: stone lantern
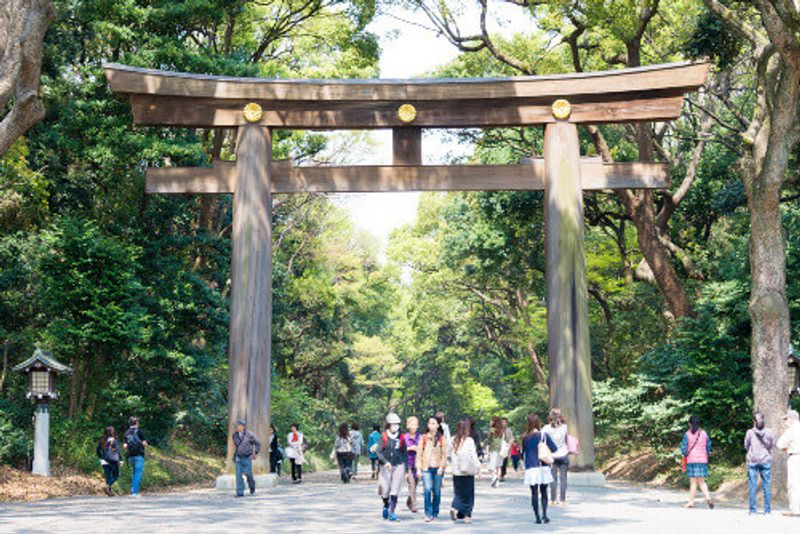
(794, 372)
(41, 369)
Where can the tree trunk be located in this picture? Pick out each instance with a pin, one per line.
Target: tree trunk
(5, 366)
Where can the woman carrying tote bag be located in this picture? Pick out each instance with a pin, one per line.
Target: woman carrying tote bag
(539, 449)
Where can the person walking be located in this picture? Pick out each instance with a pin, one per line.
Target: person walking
(466, 466)
(537, 473)
(358, 446)
(556, 428)
(514, 453)
(695, 447)
(343, 453)
(498, 447)
(246, 447)
(392, 456)
(134, 445)
(275, 454)
(431, 460)
(373, 441)
(758, 442)
(789, 442)
(509, 437)
(412, 438)
(110, 454)
(295, 451)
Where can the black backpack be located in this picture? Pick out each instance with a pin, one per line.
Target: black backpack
(135, 445)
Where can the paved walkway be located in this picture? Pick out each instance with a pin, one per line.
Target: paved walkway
(323, 506)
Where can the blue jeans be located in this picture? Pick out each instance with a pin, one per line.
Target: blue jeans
(753, 472)
(244, 466)
(432, 482)
(137, 464)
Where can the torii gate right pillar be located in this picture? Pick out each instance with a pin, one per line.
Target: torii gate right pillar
(567, 294)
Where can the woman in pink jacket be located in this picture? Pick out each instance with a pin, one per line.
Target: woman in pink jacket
(695, 447)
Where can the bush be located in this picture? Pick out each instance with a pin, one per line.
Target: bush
(13, 441)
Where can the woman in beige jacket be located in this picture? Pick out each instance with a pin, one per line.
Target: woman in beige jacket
(431, 462)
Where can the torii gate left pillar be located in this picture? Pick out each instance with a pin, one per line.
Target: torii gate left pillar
(250, 344)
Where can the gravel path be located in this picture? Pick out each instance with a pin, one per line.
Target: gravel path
(322, 505)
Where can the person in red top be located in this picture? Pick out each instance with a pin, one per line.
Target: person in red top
(514, 453)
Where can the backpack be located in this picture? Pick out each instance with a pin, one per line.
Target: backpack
(135, 445)
(400, 437)
(110, 453)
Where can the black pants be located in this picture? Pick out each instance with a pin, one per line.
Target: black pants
(345, 460)
(275, 463)
(504, 467)
(297, 470)
(463, 495)
(539, 489)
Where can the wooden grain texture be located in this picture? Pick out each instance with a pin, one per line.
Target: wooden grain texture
(681, 76)
(204, 113)
(407, 146)
(287, 179)
(568, 348)
(250, 345)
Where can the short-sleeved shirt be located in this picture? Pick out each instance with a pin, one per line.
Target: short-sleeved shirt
(412, 441)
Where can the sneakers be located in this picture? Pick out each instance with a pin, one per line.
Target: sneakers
(495, 482)
(385, 513)
(467, 520)
(428, 519)
(393, 517)
(453, 514)
(545, 520)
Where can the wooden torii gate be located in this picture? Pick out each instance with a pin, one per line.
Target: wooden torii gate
(256, 106)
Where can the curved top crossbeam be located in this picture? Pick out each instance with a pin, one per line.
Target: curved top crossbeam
(181, 99)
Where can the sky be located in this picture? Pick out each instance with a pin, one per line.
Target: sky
(407, 51)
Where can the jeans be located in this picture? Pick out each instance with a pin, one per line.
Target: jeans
(559, 469)
(137, 464)
(244, 466)
(432, 482)
(111, 471)
(753, 472)
(463, 495)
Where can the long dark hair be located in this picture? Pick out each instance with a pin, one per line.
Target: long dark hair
(694, 424)
(497, 426)
(109, 433)
(343, 431)
(532, 425)
(439, 432)
(464, 431)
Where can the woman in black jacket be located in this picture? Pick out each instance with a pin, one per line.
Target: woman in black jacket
(110, 454)
(275, 456)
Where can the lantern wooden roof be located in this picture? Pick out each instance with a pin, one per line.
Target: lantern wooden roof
(180, 99)
(42, 358)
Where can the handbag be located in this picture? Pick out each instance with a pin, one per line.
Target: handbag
(573, 445)
(545, 454)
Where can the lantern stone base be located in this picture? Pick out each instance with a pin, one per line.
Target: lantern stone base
(228, 482)
(584, 479)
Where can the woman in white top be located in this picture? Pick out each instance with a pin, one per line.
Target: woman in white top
(295, 446)
(556, 428)
(465, 466)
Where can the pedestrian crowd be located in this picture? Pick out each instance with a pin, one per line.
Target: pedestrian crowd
(423, 456)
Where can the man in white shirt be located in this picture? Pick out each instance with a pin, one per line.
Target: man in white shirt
(789, 443)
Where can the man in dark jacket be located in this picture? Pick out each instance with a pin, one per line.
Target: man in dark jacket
(246, 449)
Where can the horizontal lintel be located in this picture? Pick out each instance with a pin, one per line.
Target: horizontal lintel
(286, 178)
(151, 110)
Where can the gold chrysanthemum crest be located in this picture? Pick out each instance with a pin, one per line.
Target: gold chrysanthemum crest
(561, 109)
(252, 112)
(406, 113)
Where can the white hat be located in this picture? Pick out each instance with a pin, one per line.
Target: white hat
(393, 419)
